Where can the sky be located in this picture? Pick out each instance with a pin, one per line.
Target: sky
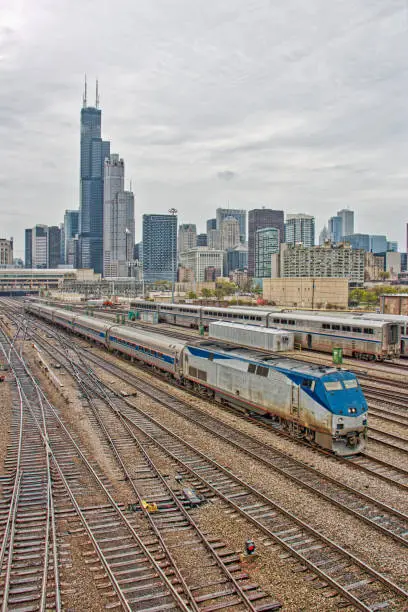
(300, 106)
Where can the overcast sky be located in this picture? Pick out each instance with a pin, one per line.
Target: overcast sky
(296, 105)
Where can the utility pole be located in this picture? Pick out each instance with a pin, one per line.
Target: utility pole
(173, 212)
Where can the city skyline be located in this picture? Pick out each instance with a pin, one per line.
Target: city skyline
(210, 114)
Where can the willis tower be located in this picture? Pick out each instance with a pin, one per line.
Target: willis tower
(93, 153)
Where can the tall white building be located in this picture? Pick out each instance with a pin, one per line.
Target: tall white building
(347, 221)
(201, 258)
(300, 228)
(39, 246)
(214, 239)
(230, 233)
(187, 237)
(118, 219)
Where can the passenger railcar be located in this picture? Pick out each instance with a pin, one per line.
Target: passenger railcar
(323, 405)
(373, 340)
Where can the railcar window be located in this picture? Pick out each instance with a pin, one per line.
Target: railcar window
(326, 326)
(252, 368)
(333, 385)
(368, 330)
(350, 384)
(357, 330)
(336, 327)
(262, 371)
(346, 328)
(284, 321)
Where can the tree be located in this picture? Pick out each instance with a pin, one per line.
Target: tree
(191, 295)
(207, 293)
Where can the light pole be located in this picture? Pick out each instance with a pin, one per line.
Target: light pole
(173, 212)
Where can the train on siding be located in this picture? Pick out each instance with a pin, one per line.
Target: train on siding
(369, 340)
(324, 405)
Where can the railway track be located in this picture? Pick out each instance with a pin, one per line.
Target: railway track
(148, 427)
(140, 574)
(393, 474)
(354, 580)
(225, 584)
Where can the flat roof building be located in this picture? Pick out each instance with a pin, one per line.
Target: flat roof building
(201, 258)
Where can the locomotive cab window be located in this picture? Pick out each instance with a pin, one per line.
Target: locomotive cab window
(308, 383)
(333, 385)
(252, 368)
(350, 384)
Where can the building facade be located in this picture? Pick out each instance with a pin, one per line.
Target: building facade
(39, 246)
(53, 246)
(392, 246)
(187, 237)
(358, 241)
(260, 218)
(214, 239)
(266, 245)
(230, 233)
(28, 248)
(113, 183)
(71, 228)
(201, 258)
(300, 228)
(238, 214)
(378, 243)
(211, 224)
(202, 240)
(347, 221)
(335, 228)
(306, 292)
(323, 261)
(236, 259)
(324, 236)
(159, 247)
(93, 153)
(6, 252)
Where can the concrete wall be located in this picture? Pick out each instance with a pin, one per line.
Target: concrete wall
(394, 304)
(306, 292)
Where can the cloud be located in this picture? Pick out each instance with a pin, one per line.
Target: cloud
(226, 175)
(306, 101)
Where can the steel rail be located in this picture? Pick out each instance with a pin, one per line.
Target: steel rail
(96, 385)
(218, 425)
(165, 579)
(371, 571)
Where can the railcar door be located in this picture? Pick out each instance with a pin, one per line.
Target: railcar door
(295, 401)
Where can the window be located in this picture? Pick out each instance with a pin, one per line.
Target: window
(284, 321)
(357, 330)
(308, 384)
(368, 330)
(326, 326)
(333, 385)
(350, 384)
(262, 371)
(346, 328)
(252, 368)
(336, 327)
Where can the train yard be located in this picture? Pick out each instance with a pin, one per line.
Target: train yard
(150, 493)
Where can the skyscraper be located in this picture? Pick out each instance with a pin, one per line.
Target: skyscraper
(300, 228)
(118, 219)
(93, 152)
(28, 250)
(347, 221)
(71, 220)
(260, 218)
(39, 246)
(211, 224)
(266, 245)
(238, 214)
(187, 237)
(335, 227)
(229, 233)
(159, 247)
(53, 246)
(202, 240)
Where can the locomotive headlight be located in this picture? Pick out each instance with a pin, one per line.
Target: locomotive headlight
(352, 410)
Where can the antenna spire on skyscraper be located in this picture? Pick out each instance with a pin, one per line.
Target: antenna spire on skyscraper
(84, 101)
(97, 94)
